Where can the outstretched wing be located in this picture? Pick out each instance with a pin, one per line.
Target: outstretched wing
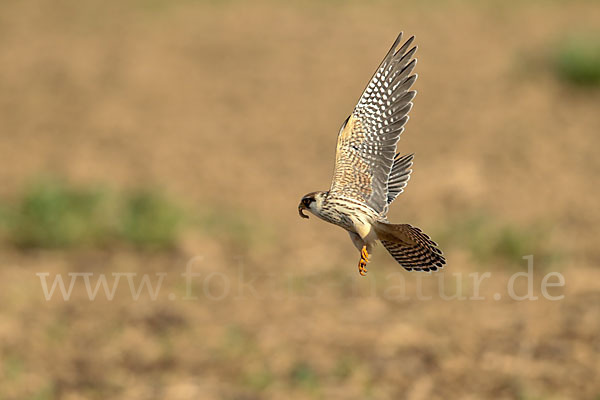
(367, 140)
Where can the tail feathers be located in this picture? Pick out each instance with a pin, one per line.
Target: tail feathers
(399, 176)
(410, 247)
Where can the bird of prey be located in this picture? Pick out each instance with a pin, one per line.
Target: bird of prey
(369, 174)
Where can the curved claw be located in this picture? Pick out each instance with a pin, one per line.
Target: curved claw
(362, 267)
(362, 263)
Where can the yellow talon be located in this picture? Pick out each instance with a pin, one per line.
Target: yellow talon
(364, 254)
(362, 263)
(362, 269)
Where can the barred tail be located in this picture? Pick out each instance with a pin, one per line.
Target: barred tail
(412, 248)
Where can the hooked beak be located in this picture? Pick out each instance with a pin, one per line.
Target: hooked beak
(302, 207)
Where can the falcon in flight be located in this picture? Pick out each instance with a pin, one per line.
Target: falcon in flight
(369, 174)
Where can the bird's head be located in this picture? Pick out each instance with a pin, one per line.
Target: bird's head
(311, 202)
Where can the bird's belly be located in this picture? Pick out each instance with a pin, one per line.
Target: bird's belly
(351, 220)
(340, 219)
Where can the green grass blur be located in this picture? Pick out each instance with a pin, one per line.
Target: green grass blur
(50, 213)
(577, 60)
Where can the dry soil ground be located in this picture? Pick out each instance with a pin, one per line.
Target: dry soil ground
(232, 107)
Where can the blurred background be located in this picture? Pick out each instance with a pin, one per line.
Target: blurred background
(154, 137)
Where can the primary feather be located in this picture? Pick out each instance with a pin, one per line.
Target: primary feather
(367, 141)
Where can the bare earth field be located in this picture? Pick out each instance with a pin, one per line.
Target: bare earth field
(231, 109)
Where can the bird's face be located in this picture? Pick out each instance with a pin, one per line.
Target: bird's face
(310, 202)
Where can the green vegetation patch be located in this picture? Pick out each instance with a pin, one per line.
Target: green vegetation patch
(577, 61)
(52, 214)
(491, 241)
(147, 218)
(305, 376)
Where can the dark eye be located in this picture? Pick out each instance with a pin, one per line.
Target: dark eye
(306, 201)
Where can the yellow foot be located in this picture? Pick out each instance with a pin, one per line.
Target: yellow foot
(364, 254)
(362, 263)
(362, 267)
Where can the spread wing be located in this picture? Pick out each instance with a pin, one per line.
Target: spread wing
(367, 141)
